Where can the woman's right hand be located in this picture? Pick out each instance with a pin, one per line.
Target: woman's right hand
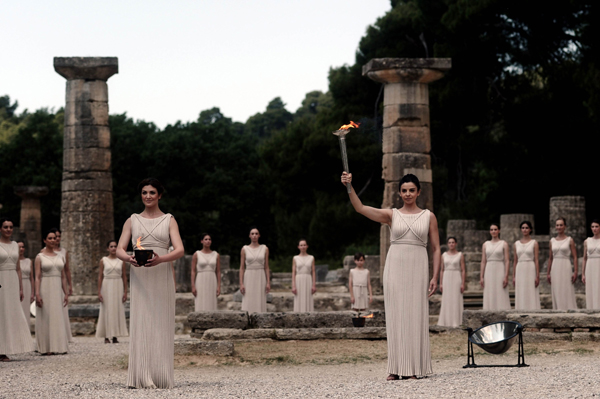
(294, 291)
(351, 299)
(133, 262)
(549, 279)
(346, 178)
(583, 278)
(441, 288)
(100, 298)
(481, 282)
(242, 289)
(194, 291)
(39, 302)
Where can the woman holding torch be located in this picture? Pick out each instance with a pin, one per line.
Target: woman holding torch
(152, 320)
(405, 278)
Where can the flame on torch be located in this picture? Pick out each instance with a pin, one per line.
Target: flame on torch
(352, 124)
(138, 243)
(370, 316)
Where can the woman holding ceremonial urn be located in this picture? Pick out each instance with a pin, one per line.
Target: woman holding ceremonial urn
(152, 310)
(405, 278)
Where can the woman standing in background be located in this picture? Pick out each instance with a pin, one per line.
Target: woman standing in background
(255, 281)
(452, 286)
(560, 271)
(303, 279)
(495, 266)
(28, 282)
(112, 293)
(590, 274)
(206, 276)
(526, 270)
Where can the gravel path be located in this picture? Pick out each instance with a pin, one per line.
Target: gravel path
(94, 370)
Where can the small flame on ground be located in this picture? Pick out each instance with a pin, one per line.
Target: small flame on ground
(352, 124)
(138, 243)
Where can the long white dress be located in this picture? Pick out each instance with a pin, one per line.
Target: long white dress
(63, 253)
(360, 288)
(495, 297)
(152, 311)
(206, 281)
(303, 300)
(405, 284)
(111, 321)
(50, 326)
(592, 274)
(14, 330)
(451, 310)
(25, 265)
(255, 281)
(563, 291)
(527, 295)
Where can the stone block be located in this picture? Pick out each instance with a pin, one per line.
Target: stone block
(543, 336)
(81, 90)
(87, 181)
(195, 347)
(312, 320)
(86, 159)
(86, 201)
(474, 240)
(456, 228)
(219, 334)
(406, 93)
(183, 268)
(202, 321)
(330, 333)
(415, 115)
(79, 113)
(584, 337)
(230, 281)
(562, 330)
(321, 272)
(87, 136)
(406, 69)
(545, 320)
(184, 303)
(510, 227)
(83, 327)
(91, 68)
(394, 165)
(406, 139)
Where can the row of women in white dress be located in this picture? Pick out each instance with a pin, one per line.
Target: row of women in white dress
(562, 273)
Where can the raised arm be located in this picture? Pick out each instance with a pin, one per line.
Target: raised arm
(434, 242)
(375, 214)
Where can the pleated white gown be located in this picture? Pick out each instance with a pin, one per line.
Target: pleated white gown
(255, 281)
(451, 310)
(63, 253)
(563, 291)
(111, 321)
(405, 283)
(25, 265)
(152, 311)
(303, 300)
(14, 330)
(360, 289)
(206, 281)
(495, 297)
(50, 327)
(592, 274)
(527, 295)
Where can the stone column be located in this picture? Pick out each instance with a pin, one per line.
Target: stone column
(572, 208)
(406, 136)
(31, 217)
(87, 203)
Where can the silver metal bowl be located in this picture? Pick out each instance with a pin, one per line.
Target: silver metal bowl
(497, 337)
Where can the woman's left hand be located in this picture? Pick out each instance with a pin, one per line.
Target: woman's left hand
(432, 287)
(574, 278)
(21, 295)
(314, 289)
(124, 297)
(537, 281)
(66, 301)
(32, 298)
(268, 288)
(505, 282)
(154, 261)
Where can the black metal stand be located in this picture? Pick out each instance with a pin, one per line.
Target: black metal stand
(471, 357)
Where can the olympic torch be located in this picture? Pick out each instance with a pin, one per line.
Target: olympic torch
(341, 133)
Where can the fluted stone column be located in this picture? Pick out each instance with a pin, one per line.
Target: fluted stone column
(572, 208)
(30, 224)
(87, 203)
(406, 135)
